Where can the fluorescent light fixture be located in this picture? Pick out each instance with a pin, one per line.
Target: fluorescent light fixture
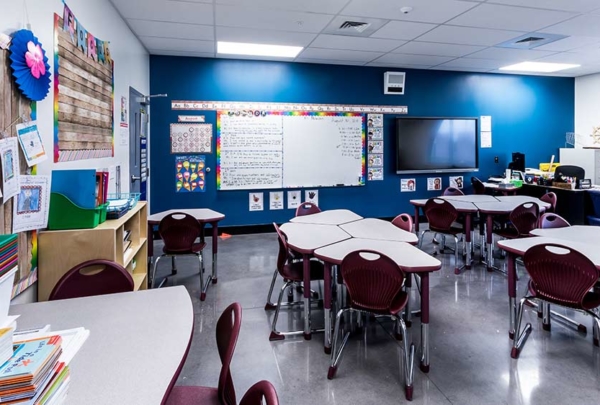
(239, 48)
(539, 67)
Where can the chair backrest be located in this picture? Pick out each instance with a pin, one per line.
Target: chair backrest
(262, 390)
(179, 231)
(551, 220)
(404, 222)
(307, 208)
(478, 186)
(569, 171)
(525, 218)
(284, 250)
(550, 198)
(560, 274)
(373, 280)
(94, 277)
(440, 214)
(228, 330)
(452, 191)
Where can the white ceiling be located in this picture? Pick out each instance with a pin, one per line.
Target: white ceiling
(458, 35)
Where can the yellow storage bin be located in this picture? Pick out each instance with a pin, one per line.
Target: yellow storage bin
(546, 166)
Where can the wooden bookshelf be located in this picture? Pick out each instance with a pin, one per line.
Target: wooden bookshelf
(59, 251)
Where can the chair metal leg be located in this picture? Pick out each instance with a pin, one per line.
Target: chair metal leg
(407, 289)
(269, 305)
(275, 335)
(408, 360)
(154, 271)
(545, 315)
(335, 353)
(203, 287)
(560, 317)
(520, 337)
(596, 328)
(422, 237)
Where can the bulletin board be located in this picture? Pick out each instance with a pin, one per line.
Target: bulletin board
(289, 149)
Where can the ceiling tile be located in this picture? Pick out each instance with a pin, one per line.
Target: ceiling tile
(255, 36)
(170, 44)
(398, 65)
(181, 53)
(337, 54)
(356, 43)
(510, 18)
(437, 49)
(468, 36)
(569, 43)
(475, 63)
(584, 25)
(253, 57)
(171, 30)
(165, 10)
(461, 69)
(329, 62)
(580, 6)
(507, 54)
(570, 57)
(326, 7)
(402, 30)
(337, 26)
(232, 16)
(430, 11)
(397, 58)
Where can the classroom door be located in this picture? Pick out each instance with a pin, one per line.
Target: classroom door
(138, 143)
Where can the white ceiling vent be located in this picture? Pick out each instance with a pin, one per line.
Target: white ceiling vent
(354, 25)
(531, 41)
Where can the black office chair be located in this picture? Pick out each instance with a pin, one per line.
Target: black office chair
(569, 171)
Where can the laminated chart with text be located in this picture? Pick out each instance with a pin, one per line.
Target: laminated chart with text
(260, 149)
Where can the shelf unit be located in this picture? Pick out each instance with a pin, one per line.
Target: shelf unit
(59, 251)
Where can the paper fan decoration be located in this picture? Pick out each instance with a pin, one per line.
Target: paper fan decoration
(30, 65)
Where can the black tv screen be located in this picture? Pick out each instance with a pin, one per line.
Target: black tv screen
(436, 145)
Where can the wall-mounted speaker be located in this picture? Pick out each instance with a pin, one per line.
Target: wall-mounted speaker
(393, 83)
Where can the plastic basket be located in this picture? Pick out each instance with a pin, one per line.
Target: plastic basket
(132, 200)
(65, 214)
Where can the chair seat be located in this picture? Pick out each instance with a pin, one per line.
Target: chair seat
(295, 271)
(398, 305)
(184, 395)
(196, 248)
(590, 301)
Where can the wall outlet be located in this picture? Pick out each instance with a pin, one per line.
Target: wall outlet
(495, 159)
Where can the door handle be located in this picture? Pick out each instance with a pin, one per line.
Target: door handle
(134, 178)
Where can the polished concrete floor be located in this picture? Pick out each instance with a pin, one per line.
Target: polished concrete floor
(470, 348)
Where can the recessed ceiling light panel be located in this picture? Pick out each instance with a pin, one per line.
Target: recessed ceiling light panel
(240, 48)
(539, 67)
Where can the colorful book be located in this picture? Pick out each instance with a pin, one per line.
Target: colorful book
(29, 360)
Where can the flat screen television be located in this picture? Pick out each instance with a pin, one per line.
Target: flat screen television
(436, 145)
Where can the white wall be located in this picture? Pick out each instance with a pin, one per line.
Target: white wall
(132, 65)
(587, 104)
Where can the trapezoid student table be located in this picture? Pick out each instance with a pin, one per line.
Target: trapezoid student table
(378, 229)
(517, 248)
(408, 257)
(137, 345)
(204, 216)
(575, 233)
(329, 217)
(305, 239)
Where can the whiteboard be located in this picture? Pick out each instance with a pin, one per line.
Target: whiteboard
(259, 149)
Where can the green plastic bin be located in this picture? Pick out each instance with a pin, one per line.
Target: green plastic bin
(65, 214)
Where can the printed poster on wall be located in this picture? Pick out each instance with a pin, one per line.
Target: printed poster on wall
(294, 199)
(9, 154)
(189, 174)
(256, 202)
(191, 138)
(312, 196)
(456, 182)
(434, 183)
(375, 146)
(376, 173)
(408, 185)
(276, 200)
(30, 210)
(375, 134)
(31, 143)
(376, 160)
(375, 120)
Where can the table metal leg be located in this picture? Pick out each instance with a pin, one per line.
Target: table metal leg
(424, 322)
(327, 306)
(306, 275)
(417, 220)
(490, 241)
(468, 237)
(173, 266)
(215, 243)
(512, 293)
(407, 311)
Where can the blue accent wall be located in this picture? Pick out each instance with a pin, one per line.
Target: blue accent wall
(530, 114)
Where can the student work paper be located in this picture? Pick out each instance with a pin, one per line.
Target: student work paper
(276, 200)
(294, 199)
(9, 154)
(30, 210)
(312, 196)
(31, 143)
(256, 201)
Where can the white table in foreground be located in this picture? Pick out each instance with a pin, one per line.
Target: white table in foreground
(575, 233)
(329, 217)
(371, 228)
(469, 198)
(138, 342)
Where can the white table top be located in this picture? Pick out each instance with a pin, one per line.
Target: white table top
(305, 238)
(371, 228)
(137, 342)
(201, 214)
(520, 246)
(472, 198)
(461, 206)
(408, 257)
(575, 233)
(506, 204)
(329, 217)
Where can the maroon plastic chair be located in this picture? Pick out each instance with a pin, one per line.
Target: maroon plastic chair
(375, 286)
(478, 186)
(179, 232)
(307, 208)
(452, 191)
(550, 198)
(523, 219)
(562, 276)
(260, 393)
(103, 277)
(550, 220)
(228, 330)
(442, 217)
(292, 272)
(404, 222)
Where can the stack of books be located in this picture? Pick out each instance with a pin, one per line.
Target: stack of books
(126, 240)
(6, 344)
(8, 253)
